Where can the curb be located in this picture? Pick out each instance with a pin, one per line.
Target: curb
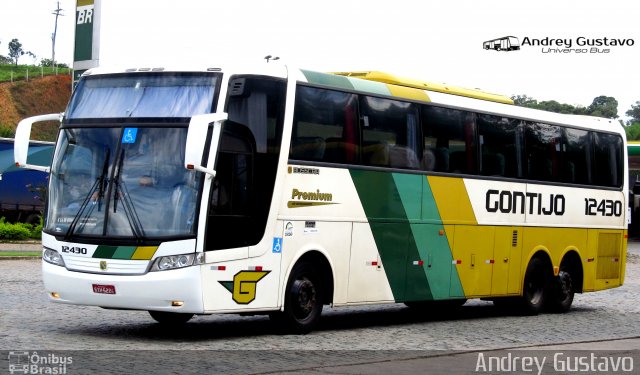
(20, 258)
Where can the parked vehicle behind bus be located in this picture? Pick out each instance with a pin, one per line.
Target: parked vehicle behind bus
(22, 191)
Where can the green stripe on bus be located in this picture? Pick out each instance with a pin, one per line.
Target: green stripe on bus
(328, 80)
(105, 252)
(409, 188)
(124, 252)
(370, 86)
(392, 232)
(442, 274)
(410, 236)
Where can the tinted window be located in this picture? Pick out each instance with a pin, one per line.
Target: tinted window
(500, 146)
(449, 140)
(576, 157)
(246, 164)
(389, 133)
(607, 165)
(324, 126)
(543, 150)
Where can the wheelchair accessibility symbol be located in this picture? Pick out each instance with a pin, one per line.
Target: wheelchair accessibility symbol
(277, 245)
(129, 135)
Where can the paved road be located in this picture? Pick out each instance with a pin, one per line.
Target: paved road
(353, 340)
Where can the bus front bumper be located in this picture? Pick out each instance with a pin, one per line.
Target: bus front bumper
(173, 291)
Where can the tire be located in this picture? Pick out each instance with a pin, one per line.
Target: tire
(302, 301)
(534, 288)
(561, 292)
(170, 318)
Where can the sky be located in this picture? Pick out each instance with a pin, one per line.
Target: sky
(437, 41)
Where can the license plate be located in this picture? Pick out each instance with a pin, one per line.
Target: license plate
(104, 289)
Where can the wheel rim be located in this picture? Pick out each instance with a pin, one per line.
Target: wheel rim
(564, 291)
(304, 298)
(534, 290)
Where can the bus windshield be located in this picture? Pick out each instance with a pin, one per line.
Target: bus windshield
(122, 182)
(157, 95)
(116, 176)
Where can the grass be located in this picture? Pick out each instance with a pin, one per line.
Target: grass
(20, 72)
(20, 254)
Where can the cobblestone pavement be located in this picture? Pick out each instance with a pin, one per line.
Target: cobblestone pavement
(347, 335)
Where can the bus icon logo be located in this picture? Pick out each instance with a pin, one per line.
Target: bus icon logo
(506, 43)
(18, 362)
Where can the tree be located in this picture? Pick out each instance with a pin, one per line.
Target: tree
(15, 50)
(634, 112)
(604, 106)
(32, 55)
(524, 101)
(633, 131)
(49, 62)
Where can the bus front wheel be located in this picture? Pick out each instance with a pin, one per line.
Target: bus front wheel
(170, 318)
(303, 301)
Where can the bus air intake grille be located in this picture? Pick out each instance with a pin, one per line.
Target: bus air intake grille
(514, 241)
(608, 266)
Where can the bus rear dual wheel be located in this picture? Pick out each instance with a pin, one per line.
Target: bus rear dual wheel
(542, 290)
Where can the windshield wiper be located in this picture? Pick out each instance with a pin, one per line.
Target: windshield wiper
(121, 191)
(83, 207)
(103, 180)
(98, 187)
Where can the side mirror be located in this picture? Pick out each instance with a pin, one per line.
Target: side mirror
(197, 138)
(21, 141)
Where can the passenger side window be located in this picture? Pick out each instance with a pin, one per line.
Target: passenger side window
(576, 157)
(389, 133)
(607, 165)
(324, 126)
(449, 141)
(543, 149)
(500, 146)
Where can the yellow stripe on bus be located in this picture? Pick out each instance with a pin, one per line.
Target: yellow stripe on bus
(452, 200)
(408, 93)
(144, 252)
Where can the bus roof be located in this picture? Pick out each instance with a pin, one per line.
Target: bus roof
(390, 85)
(429, 86)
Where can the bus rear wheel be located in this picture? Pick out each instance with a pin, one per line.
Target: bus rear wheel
(170, 318)
(303, 301)
(561, 293)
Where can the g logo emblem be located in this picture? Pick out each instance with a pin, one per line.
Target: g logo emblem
(244, 285)
(103, 265)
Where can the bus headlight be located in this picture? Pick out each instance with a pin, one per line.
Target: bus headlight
(53, 257)
(171, 262)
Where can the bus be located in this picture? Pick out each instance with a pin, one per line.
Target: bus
(507, 43)
(275, 190)
(22, 190)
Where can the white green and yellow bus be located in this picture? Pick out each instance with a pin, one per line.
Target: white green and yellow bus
(277, 190)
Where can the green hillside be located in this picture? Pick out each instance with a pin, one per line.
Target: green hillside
(21, 72)
(39, 95)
